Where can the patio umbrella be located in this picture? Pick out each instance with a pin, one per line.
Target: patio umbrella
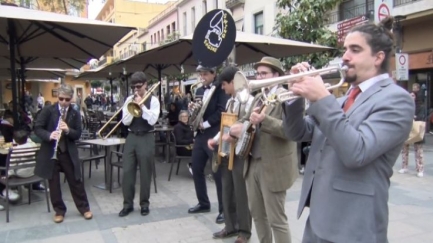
(5, 73)
(31, 33)
(41, 62)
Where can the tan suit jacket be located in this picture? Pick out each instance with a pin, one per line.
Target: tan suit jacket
(278, 154)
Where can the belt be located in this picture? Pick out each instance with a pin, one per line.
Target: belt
(139, 133)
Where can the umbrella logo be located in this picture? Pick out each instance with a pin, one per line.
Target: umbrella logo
(216, 32)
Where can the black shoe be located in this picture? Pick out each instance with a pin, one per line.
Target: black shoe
(220, 218)
(199, 209)
(144, 211)
(125, 212)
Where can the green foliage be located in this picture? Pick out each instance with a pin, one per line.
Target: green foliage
(62, 6)
(95, 84)
(306, 21)
(107, 88)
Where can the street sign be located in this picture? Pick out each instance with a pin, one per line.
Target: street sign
(382, 9)
(345, 26)
(402, 66)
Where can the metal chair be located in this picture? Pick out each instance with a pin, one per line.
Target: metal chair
(177, 157)
(21, 158)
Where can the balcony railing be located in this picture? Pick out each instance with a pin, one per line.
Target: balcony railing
(403, 2)
(350, 12)
(233, 3)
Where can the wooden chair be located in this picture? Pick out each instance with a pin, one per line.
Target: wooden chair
(177, 157)
(21, 158)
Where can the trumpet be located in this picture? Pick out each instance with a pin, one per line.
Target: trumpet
(134, 109)
(244, 87)
(56, 146)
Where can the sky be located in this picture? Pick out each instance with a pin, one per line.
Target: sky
(96, 5)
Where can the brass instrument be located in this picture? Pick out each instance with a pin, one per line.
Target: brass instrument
(244, 87)
(194, 88)
(56, 146)
(133, 108)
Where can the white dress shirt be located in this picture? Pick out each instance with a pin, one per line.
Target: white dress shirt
(369, 83)
(205, 95)
(150, 115)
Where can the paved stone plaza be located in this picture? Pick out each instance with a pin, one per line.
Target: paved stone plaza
(411, 210)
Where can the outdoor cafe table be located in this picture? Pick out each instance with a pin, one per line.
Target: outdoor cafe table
(108, 144)
(167, 129)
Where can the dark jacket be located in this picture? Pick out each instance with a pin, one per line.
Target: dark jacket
(216, 106)
(45, 124)
(184, 136)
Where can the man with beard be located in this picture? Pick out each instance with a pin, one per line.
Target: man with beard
(356, 141)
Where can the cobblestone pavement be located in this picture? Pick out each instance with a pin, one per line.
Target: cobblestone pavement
(411, 210)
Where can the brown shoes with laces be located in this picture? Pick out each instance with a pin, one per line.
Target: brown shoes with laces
(241, 239)
(224, 234)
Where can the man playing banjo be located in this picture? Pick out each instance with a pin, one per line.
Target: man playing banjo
(271, 167)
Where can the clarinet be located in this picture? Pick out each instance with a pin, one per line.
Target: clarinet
(56, 146)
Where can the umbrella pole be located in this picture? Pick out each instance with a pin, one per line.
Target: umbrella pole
(159, 68)
(12, 42)
(111, 99)
(23, 85)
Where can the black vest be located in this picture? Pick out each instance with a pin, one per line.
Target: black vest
(138, 124)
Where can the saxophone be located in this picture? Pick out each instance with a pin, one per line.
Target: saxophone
(61, 118)
(199, 110)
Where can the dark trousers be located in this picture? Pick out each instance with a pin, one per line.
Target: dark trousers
(64, 164)
(139, 151)
(235, 200)
(200, 155)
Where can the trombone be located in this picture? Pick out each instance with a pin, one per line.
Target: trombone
(244, 87)
(134, 109)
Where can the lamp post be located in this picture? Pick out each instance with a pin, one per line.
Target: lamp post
(398, 29)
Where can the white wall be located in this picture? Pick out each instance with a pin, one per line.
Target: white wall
(269, 9)
(187, 5)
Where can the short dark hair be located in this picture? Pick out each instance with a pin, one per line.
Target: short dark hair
(379, 38)
(21, 136)
(138, 77)
(228, 74)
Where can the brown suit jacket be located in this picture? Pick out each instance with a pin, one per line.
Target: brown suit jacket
(278, 154)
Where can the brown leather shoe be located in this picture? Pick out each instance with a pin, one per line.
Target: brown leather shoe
(58, 218)
(241, 239)
(88, 215)
(224, 234)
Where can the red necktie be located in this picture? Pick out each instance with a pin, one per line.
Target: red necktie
(351, 99)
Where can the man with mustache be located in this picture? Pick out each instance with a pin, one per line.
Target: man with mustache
(356, 140)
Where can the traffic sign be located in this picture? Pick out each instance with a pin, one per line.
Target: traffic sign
(402, 66)
(345, 26)
(382, 9)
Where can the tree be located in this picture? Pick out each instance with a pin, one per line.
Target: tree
(56, 6)
(95, 84)
(307, 22)
(107, 88)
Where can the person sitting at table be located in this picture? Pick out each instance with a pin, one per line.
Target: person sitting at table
(173, 114)
(183, 134)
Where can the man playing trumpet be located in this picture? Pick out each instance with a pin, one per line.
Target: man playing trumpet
(271, 167)
(139, 146)
(355, 140)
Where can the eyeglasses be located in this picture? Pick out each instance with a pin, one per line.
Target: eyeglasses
(64, 99)
(138, 86)
(262, 74)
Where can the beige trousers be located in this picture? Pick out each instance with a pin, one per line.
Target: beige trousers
(266, 207)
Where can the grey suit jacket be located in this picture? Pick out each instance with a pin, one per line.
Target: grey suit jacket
(279, 156)
(347, 175)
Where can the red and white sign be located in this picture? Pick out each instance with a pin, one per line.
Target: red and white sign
(382, 9)
(345, 26)
(401, 66)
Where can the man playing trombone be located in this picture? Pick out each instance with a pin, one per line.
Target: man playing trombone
(271, 167)
(139, 145)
